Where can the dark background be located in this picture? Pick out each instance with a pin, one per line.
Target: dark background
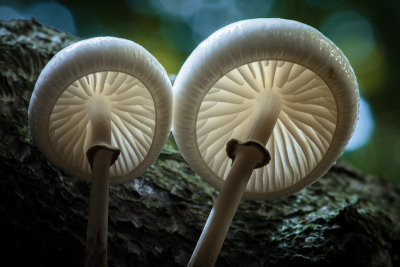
(366, 31)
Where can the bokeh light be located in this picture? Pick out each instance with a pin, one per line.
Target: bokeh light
(328, 4)
(205, 17)
(352, 33)
(183, 9)
(364, 127)
(51, 14)
(7, 13)
(366, 31)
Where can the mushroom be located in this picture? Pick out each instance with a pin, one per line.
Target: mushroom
(264, 90)
(111, 99)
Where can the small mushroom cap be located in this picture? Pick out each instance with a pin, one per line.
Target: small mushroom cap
(217, 88)
(132, 82)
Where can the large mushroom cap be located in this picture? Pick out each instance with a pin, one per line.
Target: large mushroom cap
(128, 78)
(221, 81)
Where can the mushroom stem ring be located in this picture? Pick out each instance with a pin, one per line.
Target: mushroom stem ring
(101, 155)
(270, 83)
(97, 228)
(247, 157)
(100, 122)
(111, 99)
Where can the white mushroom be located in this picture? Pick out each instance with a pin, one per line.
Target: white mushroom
(105, 97)
(264, 87)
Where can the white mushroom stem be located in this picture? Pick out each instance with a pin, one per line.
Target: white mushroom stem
(100, 155)
(100, 120)
(265, 115)
(97, 229)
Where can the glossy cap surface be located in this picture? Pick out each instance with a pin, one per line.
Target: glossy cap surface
(220, 83)
(129, 79)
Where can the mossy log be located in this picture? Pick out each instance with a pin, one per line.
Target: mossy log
(345, 218)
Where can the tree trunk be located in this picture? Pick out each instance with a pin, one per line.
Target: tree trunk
(346, 218)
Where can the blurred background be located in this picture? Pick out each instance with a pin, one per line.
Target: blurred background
(367, 31)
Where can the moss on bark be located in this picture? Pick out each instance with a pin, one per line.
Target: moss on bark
(347, 217)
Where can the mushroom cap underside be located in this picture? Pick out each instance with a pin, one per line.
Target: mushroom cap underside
(129, 79)
(220, 83)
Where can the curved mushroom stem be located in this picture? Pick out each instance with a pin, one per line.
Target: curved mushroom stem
(221, 215)
(246, 158)
(264, 117)
(96, 246)
(101, 156)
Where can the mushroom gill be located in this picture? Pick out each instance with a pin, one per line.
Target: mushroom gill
(132, 120)
(301, 136)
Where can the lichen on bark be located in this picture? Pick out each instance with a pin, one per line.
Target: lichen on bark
(346, 217)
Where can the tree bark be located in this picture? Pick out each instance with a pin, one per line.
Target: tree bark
(346, 217)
